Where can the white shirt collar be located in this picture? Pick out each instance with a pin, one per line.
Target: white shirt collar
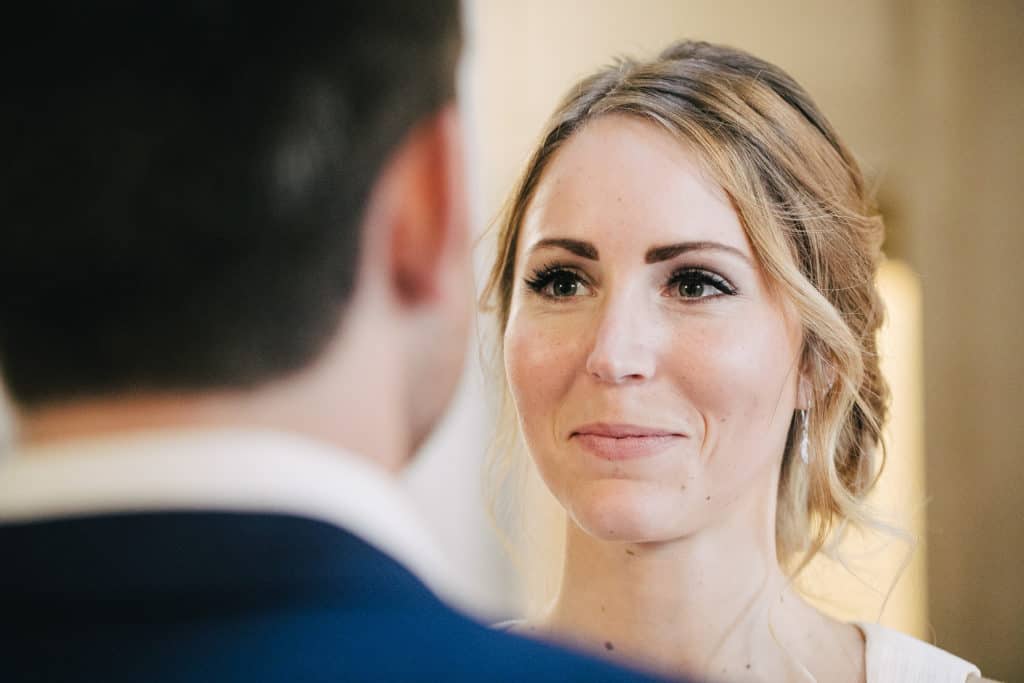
(230, 470)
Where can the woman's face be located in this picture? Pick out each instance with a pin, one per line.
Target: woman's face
(654, 373)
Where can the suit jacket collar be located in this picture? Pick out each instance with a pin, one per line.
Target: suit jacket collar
(225, 470)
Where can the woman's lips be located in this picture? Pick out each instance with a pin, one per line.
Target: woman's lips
(623, 442)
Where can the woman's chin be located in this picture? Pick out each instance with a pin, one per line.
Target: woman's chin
(629, 511)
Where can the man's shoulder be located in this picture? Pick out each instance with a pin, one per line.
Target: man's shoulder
(203, 596)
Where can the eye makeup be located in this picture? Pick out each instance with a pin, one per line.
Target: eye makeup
(555, 281)
(693, 283)
(690, 283)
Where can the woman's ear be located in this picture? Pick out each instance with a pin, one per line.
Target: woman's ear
(812, 366)
(804, 394)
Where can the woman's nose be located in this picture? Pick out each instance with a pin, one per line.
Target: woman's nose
(623, 345)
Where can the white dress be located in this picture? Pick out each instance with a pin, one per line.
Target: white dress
(894, 657)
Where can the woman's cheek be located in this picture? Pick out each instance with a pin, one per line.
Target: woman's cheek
(540, 362)
(706, 364)
(745, 396)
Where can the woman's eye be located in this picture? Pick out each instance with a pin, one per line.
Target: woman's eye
(558, 284)
(699, 284)
(564, 284)
(691, 290)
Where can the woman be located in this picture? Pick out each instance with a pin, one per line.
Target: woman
(685, 284)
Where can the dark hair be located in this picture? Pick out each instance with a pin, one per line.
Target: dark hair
(183, 183)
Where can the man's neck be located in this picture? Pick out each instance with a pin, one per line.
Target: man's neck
(287, 408)
(102, 417)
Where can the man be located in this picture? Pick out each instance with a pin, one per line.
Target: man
(235, 290)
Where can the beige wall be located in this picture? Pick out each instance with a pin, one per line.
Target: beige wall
(960, 183)
(928, 94)
(530, 51)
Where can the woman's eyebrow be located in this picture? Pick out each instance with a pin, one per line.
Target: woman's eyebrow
(670, 251)
(654, 254)
(582, 249)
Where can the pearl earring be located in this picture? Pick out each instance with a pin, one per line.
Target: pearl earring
(805, 440)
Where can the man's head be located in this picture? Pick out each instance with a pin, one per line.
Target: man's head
(216, 197)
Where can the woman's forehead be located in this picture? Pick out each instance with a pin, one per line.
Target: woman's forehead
(629, 184)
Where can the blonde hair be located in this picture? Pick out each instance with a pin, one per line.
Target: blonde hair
(814, 229)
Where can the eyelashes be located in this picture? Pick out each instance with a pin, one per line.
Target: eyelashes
(690, 283)
(556, 281)
(693, 283)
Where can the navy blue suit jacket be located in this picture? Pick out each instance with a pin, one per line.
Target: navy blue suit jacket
(214, 596)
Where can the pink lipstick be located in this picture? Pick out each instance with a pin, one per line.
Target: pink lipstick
(623, 441)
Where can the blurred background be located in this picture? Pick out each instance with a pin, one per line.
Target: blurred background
(930, 96)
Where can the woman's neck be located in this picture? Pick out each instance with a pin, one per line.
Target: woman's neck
(715, 604)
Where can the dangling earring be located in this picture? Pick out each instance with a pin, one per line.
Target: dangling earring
(805, 439)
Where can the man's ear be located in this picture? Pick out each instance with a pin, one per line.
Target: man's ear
(423, 196)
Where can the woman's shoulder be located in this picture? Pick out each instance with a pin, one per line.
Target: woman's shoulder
(891, 656)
